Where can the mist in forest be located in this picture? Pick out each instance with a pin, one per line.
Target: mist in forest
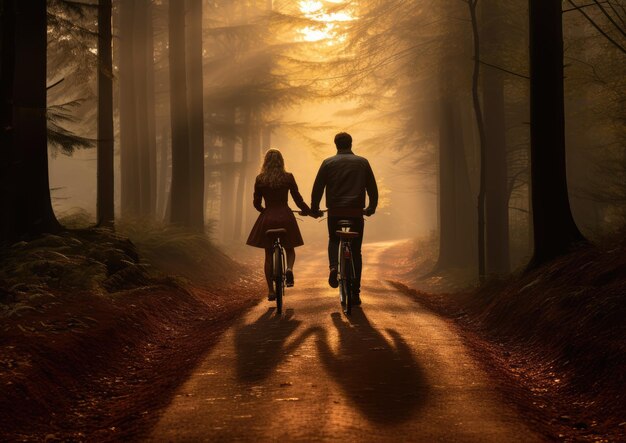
(400, 76)
(132, 134)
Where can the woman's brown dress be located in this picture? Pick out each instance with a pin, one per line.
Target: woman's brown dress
(276, 214)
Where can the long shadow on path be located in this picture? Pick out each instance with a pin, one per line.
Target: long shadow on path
(261, 345)
(383, 380)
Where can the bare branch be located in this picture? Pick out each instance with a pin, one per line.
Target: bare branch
(504, 70)
(595, 25)
(55, 84)
(617, 12)
(576, 8)
(610, 18)
(593, 69)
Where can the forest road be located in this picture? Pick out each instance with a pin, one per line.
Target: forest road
(393, 371)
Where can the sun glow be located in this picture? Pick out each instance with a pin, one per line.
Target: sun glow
(326, 23)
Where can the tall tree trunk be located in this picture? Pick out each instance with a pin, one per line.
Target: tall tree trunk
(180, 189)
(144, 145)
(554, 229)
(478, 113)
(227, 179)
(254, 160)
(446, 186)
(129, 143)
(196, 113)
(241, 184)
(151, 169)
(497, 196)
(106, 195)
(496, 176)
(466, 219)
(456, 214)
(138, 145)
(163, 176)
(7, 72)
(29, 210)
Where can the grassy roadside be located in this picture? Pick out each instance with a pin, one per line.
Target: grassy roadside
(98, 331)
(556, 337)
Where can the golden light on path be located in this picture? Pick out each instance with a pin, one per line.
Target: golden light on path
(328, 20)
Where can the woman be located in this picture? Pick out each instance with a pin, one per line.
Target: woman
(273, 185)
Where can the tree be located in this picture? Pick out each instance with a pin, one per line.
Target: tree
(608, 17)
(105, 179)
(238, 106)
(457, 224)
(594, 106)
(181, 183)
(196, 114)
(554, 230)
(496, 167)
(144, 93)
(128, 112)
(478, 114)
(27, 207)
(243, 170)
(138, 146)
(72, 32)
(227, 177)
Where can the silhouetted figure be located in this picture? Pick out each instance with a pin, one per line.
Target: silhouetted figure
(273, 185)
(346, 177)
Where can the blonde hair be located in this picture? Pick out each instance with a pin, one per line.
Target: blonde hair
(273, 172)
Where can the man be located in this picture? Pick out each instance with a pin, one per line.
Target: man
(346, 178)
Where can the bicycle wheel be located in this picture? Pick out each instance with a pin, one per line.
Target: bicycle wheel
(278, 278)
(340, 266)
(347, 280)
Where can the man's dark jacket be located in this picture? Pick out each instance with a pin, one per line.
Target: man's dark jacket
(346, 177)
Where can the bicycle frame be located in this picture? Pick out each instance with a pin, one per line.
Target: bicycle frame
(278, 265)
(278, 272)
(345, 271)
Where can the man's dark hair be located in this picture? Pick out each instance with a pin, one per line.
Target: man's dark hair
(343, 140)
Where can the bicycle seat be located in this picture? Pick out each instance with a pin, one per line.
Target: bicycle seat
(345, 223)
(275, 233)
(347, 234)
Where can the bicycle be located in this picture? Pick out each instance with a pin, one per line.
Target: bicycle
(346, 275)
(278, 265)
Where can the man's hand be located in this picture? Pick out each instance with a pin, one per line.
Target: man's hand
(369, 212)
(316, 213)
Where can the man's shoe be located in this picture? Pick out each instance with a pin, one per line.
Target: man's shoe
(271, 296)
(332, 278)
(289, 278)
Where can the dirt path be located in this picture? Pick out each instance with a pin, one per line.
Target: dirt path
(392, 372)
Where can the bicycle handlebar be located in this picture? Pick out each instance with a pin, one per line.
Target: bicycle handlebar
(326, 210)
(298, 211)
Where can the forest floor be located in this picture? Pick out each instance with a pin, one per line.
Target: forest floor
(97, 338)
(392, 371)
(96, 333)
(554, 338)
